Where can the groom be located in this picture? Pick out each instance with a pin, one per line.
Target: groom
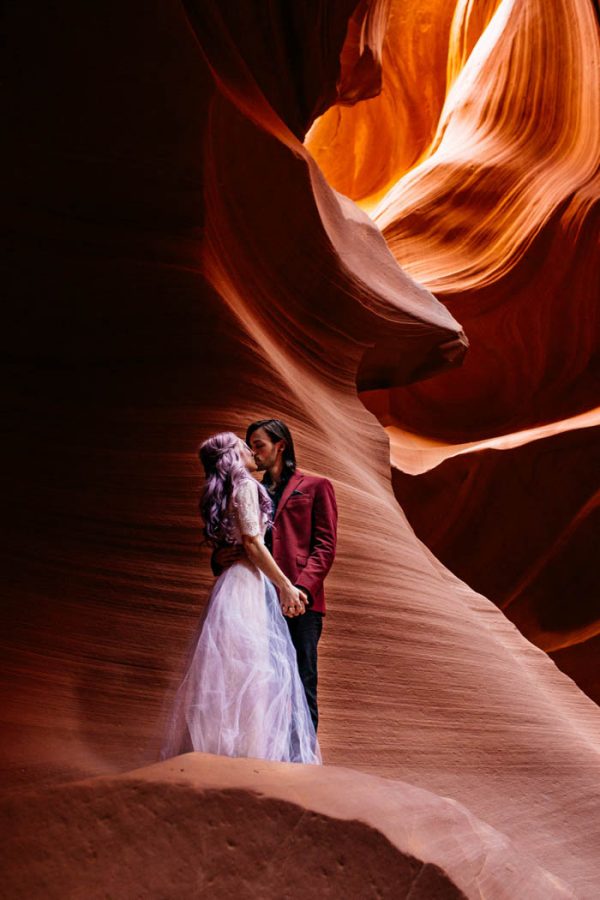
(302, 540)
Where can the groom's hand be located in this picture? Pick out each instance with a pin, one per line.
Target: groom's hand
(227, 556)
(297, 608)
(304, 598)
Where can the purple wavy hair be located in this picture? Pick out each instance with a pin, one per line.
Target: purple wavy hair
(224, 471)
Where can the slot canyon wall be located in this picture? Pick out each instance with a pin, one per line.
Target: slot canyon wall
(479, 160)
(183, 261)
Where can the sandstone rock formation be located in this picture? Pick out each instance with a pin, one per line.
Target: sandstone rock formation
(480, 161)
(517, 518)
(210, 826)
(180, 265)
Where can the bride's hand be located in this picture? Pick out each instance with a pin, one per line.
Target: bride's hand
(292, 602)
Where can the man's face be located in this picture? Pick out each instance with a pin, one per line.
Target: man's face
(264, 449)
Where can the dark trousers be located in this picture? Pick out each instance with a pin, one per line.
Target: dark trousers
(305, 631)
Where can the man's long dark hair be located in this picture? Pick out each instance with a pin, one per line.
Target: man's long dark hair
(277, 431)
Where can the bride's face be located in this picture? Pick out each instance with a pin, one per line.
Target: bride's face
(247, 457)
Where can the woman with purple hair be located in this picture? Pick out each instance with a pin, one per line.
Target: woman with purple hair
(241, 694)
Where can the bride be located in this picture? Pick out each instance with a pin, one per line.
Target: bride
(241, 694)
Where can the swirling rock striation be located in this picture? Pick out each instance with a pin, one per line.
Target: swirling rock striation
(492, 202)
(484, 175)
(518, 527)
(182, 266)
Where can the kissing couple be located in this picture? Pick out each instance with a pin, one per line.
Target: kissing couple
(250, 687)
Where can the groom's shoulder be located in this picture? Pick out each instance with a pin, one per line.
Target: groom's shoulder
(314, 481)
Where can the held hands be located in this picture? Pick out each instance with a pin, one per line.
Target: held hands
(293, 601)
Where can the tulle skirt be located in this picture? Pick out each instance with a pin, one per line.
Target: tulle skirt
(241, 694)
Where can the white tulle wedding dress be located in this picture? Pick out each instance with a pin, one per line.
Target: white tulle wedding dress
(241, 694)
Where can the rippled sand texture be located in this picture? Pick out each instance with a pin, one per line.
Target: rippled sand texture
(480, 163)
(183, 266)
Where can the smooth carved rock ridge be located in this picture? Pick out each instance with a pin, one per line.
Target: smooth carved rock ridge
(480, 161)
(205, 825)
(182, 265)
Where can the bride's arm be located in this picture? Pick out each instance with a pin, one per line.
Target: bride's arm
(289, 595)
(245, 503)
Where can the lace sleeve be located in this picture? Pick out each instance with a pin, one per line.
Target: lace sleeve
(245, 504)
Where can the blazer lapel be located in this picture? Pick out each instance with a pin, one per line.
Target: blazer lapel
(291, 486)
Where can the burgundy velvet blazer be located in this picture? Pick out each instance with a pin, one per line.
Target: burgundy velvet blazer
(304, 533)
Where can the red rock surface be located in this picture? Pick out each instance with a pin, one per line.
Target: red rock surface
(180, 265)
(518, 527)
(480, 161)
(210, 826)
